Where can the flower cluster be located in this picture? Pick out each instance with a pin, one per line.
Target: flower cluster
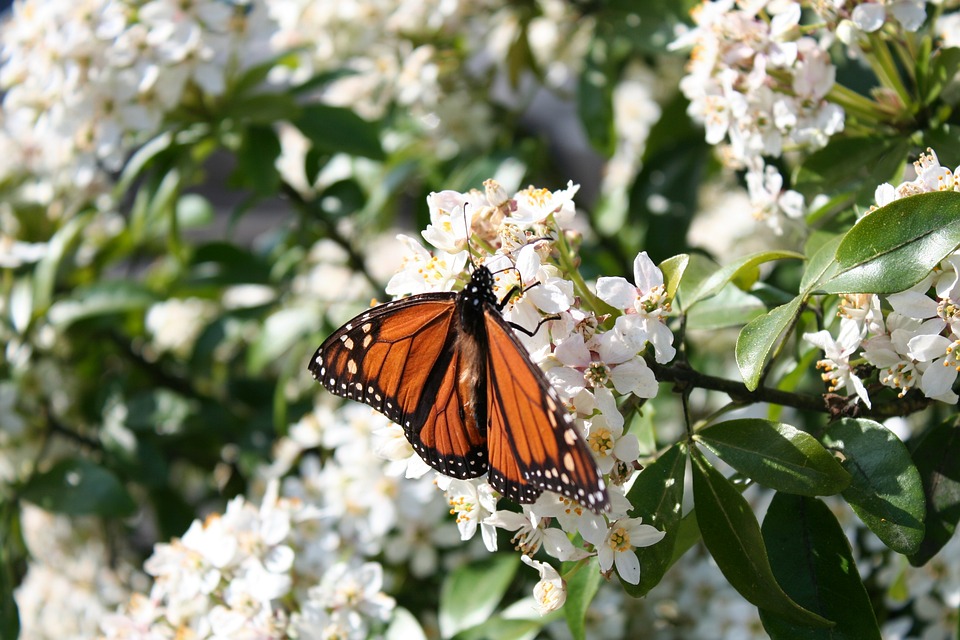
(913, 345)
(759, 86)
(235, 575)
(86, 81)
(521, 235)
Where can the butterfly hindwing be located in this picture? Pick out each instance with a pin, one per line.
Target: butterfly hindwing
(533, 441)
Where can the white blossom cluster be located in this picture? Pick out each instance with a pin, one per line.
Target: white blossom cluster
(759, 87)
(913, 346)
(255, 573)
(590, 367)
(86, 81)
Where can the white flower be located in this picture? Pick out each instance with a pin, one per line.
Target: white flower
(836, 363)
(617, 543)
(645, 305)
(472, 502)
(550, 592)
(535, 205)
(422, 272)
(532, 532)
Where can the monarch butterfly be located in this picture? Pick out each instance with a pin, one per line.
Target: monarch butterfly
(448, 368)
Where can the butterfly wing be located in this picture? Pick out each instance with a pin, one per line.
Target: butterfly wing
(533, 442)
(402, 359)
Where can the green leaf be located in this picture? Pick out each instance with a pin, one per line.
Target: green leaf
(581, 589)
(13, 563)
(699, 269)
(256, 161)
(811, 558)
(404, 626)
(595, 95)
(896, 246)
(943, 69)
(100, 298)
(822, 265)
(657, 497)
(193, 210)
(340, 130)
(885, 490)
(776, 455)
(851, 164)
(673, 269)
(261, 108)
(470, 594)
(46, 271)
(503, 628)
(757, 340)
(77, 487)
(730, 307)
(732, 535)
(745, 270)
(936, 456)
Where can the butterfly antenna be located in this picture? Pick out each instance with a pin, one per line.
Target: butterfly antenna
(466, 228)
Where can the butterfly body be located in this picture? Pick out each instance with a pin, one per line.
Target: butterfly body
(448, 368)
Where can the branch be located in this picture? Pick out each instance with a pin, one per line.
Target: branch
(837, 406)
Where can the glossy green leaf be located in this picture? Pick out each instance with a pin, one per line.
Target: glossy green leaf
(730, 307)
(101, 298)
(942, 69)
(885, 489)
(79, 487)
(582, 586)
(936, 457)
(812, 560)
(851, 164)
(744, 269)
(759, 338)
(503, 628)
(699, 269)
(896, 246)
(822, 265)
(673, 269)
(657, 497)
(732, 535)
(776, 455)
(470, 593)
(340, 130)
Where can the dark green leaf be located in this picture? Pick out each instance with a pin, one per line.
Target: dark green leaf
(340, 130)
(812, 560)
(657, 497)
(732, 535)
(776, 455)
(885, 489)
(79, 487)
(470, 593)
(936, 456)
(822, 265)
(896, 246)
(744, 269)
(256, 161)
(101, 298)
(595, 95)
(757, 340)
(581, 588)
(851, 164)
(262, 108)
(13, 566)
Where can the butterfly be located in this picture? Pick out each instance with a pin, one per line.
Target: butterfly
(448, 368)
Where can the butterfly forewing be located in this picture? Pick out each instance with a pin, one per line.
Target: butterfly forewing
(384, 356)
(533, 441)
